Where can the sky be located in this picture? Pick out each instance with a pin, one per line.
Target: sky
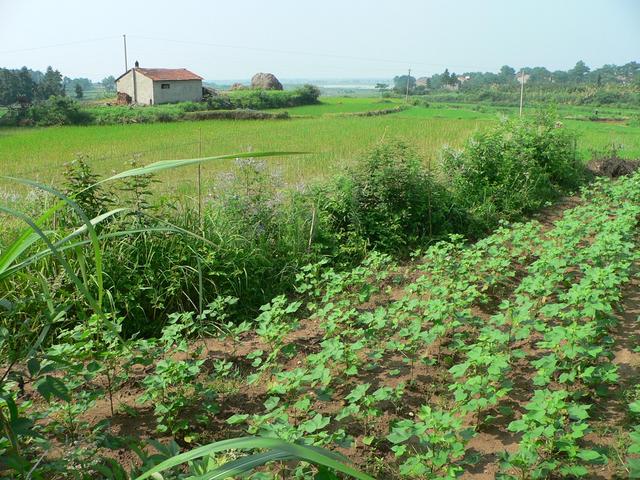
(330, 39)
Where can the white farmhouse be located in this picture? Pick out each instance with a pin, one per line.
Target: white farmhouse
(150, 86)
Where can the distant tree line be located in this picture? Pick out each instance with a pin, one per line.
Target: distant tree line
(27, 86)
(580, 74)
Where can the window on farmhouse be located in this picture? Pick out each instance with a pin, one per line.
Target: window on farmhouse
(165, 86)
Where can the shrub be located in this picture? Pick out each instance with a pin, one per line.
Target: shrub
(388, 200)
(238, 114)
(191, 106)
(512, 169)
(256, 237)
(58, 111)
(307, 94)
(419, 101)
(219, 102)
(167, 117)
(80, 180)
(264, 99)
(375, 113)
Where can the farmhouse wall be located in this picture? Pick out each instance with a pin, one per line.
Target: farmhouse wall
(178, 91)
(144, 86)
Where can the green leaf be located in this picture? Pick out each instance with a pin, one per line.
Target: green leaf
(244, 464)
(400, 434)
(578, 412)
(358, 392)
(33, 366)
(312, 455)
(518, 426)
(588, 455)
(237, 418)
(52, 387)
(324, 474)
(574, 470)
(97, 250)
(633, 464)
(271, 403)
(318, 422)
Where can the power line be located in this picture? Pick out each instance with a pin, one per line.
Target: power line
(298, 52)
(252, 48)
(77, 42)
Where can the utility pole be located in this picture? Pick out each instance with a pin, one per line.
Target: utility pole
(406, 98)
(126, 64)
(521, 88)
(200, 183)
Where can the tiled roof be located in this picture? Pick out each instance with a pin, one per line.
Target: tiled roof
(159, 74)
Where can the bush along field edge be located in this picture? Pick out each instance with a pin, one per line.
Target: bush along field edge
(238, 105)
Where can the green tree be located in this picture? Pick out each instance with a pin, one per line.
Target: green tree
(109, 83)
(79, 91)
(16, 86)
(445, 78)
(382, 87)
(400, 84)
(560, 76)
(26, 85)
(8, 87)
(538, 75)
(507, 74)
(579, 72)
(51, 84)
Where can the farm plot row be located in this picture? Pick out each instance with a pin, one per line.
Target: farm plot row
(484, 359)
(531, 365)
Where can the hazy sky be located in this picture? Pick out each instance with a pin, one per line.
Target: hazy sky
(224, 39)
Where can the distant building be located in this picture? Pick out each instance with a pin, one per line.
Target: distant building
(463, 78)
(151, 86)
(422, 82)
(520, 77)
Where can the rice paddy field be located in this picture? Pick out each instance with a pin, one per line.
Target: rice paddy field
(329, 131)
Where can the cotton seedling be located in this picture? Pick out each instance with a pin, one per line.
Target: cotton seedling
(441, 444)
(632, 461)
(551, 432)
(364, 406)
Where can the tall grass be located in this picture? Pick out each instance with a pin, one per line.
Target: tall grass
(87, 278)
